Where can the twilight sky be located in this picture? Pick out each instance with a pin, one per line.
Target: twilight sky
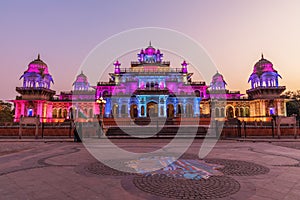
(233, 32)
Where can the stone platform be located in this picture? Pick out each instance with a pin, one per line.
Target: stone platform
(53, 169)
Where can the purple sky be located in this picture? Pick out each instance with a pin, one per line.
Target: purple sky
(234, 33)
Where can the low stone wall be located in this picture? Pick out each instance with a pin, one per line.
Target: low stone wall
(258, 132)
(52, 132)
(90, 129)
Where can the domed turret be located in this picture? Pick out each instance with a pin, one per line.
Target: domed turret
(37, 75)
(150, 55)
(218, 82)
(150, 50)
(81, 82)
(264, 75)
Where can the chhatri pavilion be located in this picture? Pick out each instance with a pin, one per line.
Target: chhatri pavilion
(150, 87)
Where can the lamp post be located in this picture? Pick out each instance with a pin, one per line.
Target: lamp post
(101, 103)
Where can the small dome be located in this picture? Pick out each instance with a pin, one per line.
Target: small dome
(81, 82)
(37, 74)
(38, 66)
(218, 82)
(264, 75)
(81, 78)
(218, 78)
(263, 65)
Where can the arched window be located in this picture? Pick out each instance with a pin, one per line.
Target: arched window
(29, 112)
(71, 114)
(242, 112)
(222, 112)
(237, 114)
(54, 113)
(105, 93)
(124, 110)
(189, 110)
(197, 93)
(91, 113)
(115, 110)
(217, 111)
(247, 112)
(65, 113)
(143, 110)
(59, 113)
(179, 109)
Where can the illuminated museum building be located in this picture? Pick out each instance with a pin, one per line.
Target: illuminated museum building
(150, 87)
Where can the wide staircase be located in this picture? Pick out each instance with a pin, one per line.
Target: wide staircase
(157, 128)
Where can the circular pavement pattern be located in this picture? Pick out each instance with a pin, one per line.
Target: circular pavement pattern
(239, 167)
(165, 186)
(99, 168)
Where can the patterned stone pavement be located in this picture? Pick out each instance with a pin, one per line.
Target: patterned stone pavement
(65, 170)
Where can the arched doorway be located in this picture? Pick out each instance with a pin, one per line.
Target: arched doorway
(170, 110)
(133, 111)
(229, 112)
(152, 109)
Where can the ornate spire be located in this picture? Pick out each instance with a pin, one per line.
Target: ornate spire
(184, 64)
(117, 64)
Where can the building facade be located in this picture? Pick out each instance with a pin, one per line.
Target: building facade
(150, 87)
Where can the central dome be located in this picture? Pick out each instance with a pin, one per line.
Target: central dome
(150, 50)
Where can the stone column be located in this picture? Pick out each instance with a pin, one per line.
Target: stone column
(22, 108)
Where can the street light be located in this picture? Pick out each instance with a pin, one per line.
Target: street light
(101, 103)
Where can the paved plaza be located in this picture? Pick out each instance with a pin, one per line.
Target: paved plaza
(40, 169)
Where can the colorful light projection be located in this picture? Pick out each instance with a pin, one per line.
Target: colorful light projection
(169, 166)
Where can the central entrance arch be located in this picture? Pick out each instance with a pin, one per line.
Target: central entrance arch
(152, 109)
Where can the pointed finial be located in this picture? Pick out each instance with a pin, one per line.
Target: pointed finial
(81, 71)
(117, 64)
(262, 56)
(184, 64)
(38, 57)
(150, 43)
